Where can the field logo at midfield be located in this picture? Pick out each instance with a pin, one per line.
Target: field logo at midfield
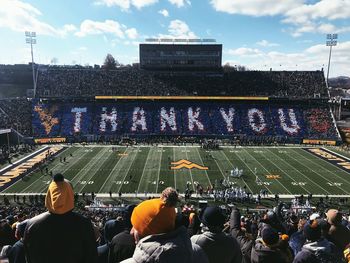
(187, 164)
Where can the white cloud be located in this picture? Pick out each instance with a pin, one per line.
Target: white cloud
(19, 16)
(323, 28)
(329, 9)
(126, 4)
(89, 27)
(312, 58)
(164, 12)
(82, 48)
(178, 29)
(255, 7)
(131, 33)
(244, 51)
(304, 16)
(265, 43)
(180, 3)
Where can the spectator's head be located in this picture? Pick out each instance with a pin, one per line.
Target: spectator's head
(312, 231)
(112, 228)
(20, 228)
(314, 216)
(269, 236)
(213, 218)
(301, 223)
(127, 216)
(6, 233)
(169, 196)
(152, 217)
(60, 196)
(334, 217)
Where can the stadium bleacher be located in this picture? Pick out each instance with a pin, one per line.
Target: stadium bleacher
(183, 118)
(88, 82)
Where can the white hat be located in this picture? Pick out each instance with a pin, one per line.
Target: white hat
(314, 216)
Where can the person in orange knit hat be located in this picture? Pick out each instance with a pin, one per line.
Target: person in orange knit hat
(155, 234)
(60, 235)
(153, 217)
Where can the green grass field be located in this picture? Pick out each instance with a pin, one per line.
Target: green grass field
(148, 169)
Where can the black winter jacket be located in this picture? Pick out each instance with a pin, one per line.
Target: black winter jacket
(245, 243)
(52, 238)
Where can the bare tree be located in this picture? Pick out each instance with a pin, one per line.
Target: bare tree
(110, 62)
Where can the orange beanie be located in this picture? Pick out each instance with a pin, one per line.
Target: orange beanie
(59, 197)
(153, 217)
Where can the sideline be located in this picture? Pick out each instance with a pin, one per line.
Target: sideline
(182, 195)
(24, 158)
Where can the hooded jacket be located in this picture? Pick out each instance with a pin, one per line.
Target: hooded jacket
(337, 232)
(317, 252)
(245, 243)
(172, 247)
(219, 247)
(264, 254)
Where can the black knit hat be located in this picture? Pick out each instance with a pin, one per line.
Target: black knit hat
(269, 235)
(312, 230)
(213, 216)
(127, 216)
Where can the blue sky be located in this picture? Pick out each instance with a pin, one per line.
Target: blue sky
(260, 34)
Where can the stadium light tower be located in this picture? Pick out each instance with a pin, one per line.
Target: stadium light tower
(31, 39)
(331, 41)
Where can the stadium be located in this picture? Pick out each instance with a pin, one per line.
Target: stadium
(140, 130)
(173, 158)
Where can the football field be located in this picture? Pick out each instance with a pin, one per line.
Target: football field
(149, 169)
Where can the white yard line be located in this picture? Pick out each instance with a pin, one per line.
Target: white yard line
(304, 177)
(144, 168)
(22, 159)
(111, 172)
(347, 158)
(97, 163)
(174, 169)
(66, 168)
(200, 157)
(40, 177)
(160, 164)
(190, 171)
(231, 164)
(266, 170)
(126, 174)
(322, 168)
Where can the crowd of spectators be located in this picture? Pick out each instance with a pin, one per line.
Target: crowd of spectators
(320, 120)
(16, 114)
(88, 82)
(161, 230)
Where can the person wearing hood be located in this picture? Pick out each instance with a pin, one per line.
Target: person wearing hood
(60, 235)
(122, 245)
(157, 240)
(337, 232)
(236, 231)
(317, 249)
(298, 239)
(112, 227)
(217, 245)
(266, 249)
